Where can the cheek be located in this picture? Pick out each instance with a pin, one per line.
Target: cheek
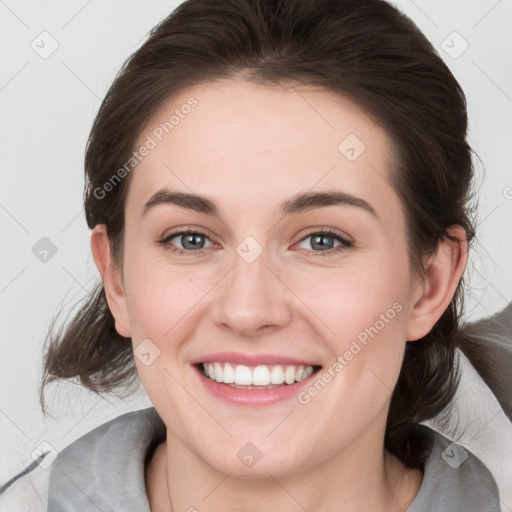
(160, 298)
(358, 301)
(363, 320)
(158, 294)
(361, 312)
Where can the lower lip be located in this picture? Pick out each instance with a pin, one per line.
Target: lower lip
(253, 397)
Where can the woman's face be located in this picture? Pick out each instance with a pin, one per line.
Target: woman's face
(257, 285)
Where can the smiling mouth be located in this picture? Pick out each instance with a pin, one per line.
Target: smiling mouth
(257, 377)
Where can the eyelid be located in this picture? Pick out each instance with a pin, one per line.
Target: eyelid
(329, 231)
(311, 231)
(186, 229)
(345, 240)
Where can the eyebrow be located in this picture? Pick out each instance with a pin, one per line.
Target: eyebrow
(299, 203)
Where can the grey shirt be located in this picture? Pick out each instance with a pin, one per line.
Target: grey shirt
(491, 340)
(104, 470)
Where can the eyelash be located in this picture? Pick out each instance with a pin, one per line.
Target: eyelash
(345, 243)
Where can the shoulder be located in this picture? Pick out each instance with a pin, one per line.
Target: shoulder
(136, 426)
(103, 469)
(476, 422)
(455, 479)
(488, 345)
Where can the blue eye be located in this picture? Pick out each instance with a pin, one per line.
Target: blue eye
(322, 239)
(193, 242)
(190, 241)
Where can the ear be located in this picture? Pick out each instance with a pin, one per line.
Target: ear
(433, 295)
(112, 279)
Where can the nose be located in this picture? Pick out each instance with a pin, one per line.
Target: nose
(251, 301)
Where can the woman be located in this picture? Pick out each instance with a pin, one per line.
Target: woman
(316, 153)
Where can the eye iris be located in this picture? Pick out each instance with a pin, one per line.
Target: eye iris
(194, 237)
(325, 241)
(194, 240)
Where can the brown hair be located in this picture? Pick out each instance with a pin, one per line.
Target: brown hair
(367, 51)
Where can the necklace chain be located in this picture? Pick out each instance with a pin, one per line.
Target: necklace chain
(167, 484)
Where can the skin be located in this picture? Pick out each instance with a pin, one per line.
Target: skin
(249, 147)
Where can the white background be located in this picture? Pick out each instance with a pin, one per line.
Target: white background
(47, 107)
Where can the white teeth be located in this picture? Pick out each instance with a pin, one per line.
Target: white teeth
(289, 375)
(229, 374)
(261, 375)
(218, 372)
(243, 375)
(277, 375)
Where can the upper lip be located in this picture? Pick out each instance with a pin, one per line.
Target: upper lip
(251, 359)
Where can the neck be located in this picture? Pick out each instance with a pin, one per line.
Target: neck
(350, 479)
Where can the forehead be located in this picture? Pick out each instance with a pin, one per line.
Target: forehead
(231, 139)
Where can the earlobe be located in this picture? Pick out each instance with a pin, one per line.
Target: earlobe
(435, 292)
(112, 279)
